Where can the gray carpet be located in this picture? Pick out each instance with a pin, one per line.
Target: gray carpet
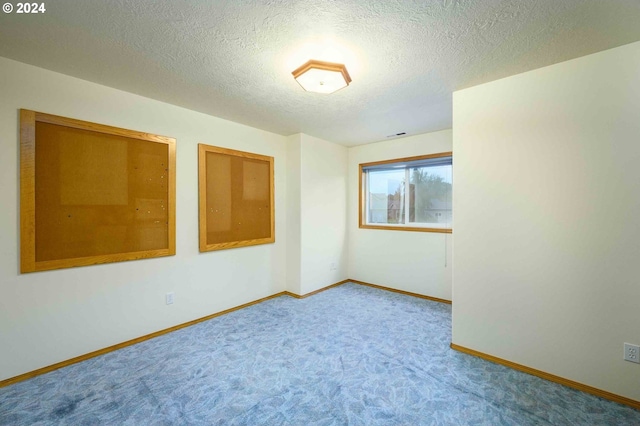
(351, 355)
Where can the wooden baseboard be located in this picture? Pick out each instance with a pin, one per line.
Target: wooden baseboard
(408, 293)
(108, 349)
(112, 348)
(551, 377)
(302, 296)
(380, 287)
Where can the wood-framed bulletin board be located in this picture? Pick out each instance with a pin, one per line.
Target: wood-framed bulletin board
(236, 198)
(91, 193)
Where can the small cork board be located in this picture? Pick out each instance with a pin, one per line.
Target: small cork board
(91, 193)
(236, 193)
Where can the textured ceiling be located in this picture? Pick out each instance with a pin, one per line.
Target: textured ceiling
(233, 59)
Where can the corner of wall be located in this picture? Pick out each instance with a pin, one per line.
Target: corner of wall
(323, 197)
(293, 213)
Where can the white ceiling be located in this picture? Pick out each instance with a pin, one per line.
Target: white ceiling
(233, 58)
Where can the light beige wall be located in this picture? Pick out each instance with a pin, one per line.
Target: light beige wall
(293, 214)
(419, 262)
(317, 194)
(47, 317)
(323, 200)
(547, 210)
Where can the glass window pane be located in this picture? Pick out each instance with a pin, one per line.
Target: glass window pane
(385, 196)
(430, 195)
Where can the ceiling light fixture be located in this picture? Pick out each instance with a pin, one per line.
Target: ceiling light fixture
(321, 76)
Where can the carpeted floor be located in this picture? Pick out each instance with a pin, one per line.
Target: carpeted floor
(351, 355)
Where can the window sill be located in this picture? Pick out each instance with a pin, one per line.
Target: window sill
(408, 228)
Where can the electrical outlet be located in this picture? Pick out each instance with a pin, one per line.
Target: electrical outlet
(169, 298)
(332, 266)
(632, 353)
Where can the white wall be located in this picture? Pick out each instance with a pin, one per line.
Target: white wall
(47, 317)
(317, 183)
(418, 262)
(547, 218)
(323, 202)
(294, 276)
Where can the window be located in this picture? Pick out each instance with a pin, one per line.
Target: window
(408, 194)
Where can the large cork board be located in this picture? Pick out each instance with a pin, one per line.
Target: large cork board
(92, 193)
(236, 194)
